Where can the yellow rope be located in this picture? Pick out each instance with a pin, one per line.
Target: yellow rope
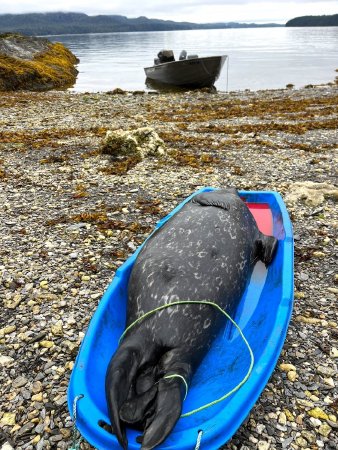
(199, 302)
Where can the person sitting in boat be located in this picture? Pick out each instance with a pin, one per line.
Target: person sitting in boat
(183, 55)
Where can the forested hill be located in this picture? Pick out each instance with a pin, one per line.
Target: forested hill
(74, 23)
(314, 21)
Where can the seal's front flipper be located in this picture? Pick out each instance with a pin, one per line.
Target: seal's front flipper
(213, 198)
(266, 247)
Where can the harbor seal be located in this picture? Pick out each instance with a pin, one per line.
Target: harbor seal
(204, 252)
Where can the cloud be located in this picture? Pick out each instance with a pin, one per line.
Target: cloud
(182, 10)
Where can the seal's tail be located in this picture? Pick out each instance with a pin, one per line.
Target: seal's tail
(142, 392)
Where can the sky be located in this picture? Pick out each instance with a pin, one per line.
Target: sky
(198, 11)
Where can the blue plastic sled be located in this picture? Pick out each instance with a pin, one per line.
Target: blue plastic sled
(263, 315)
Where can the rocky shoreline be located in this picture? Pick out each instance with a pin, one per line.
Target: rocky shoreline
(36, 64)
(71, 215)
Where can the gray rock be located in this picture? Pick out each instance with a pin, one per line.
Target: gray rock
(26, 428)
(286, 442)
(61, 400)
(40, 444)
(26, 394)
(56, 438)
(19, 382)
(303, 276)
(6, 446)
(6, 361)
(326, 371)
(39, 428)
(77, 226)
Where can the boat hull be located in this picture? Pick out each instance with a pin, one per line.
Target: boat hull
(263, 315)
(191, 73)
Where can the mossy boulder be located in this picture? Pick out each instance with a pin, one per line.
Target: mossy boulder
(311, 193)
(141, 142)
(31, 63)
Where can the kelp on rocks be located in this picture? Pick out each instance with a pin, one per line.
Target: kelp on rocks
(30, 63)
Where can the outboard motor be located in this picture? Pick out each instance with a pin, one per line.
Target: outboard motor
(183, 55)
(166, 56)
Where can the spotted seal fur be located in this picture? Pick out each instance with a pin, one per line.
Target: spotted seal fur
(206, 251)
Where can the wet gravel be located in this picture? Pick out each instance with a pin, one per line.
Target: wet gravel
(70, 217)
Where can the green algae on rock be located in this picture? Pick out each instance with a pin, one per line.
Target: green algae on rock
(31, 63)
(141, 142)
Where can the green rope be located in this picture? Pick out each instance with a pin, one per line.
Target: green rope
(176, 375)
(199, 302)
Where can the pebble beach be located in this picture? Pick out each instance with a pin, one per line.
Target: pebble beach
(70, 215)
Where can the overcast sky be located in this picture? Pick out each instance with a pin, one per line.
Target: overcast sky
(183, 10)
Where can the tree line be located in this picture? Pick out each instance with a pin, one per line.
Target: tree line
(38, 24)
(314, 21)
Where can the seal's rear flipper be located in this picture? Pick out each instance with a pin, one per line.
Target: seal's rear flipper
(121, 378)
(120, 375)
(167, 412)
(266, 247)
(170, 394)
(131, 387)
(138, 408)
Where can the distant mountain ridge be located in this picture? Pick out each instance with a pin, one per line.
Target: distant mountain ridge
(78, 23)
(314, 21)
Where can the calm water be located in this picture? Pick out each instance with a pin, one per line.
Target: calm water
(258, 58)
